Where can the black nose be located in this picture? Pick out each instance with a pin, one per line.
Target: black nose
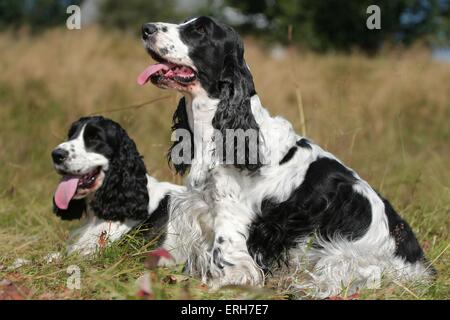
(59, 155)
(148, 29)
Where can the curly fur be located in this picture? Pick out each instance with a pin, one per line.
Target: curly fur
(180, 121)
(125, 198)
(124, 192)
(234, 109)
(263, 216)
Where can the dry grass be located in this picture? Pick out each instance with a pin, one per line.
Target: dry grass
(387, 117)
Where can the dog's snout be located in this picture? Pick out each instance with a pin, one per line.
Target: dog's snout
(59, 155)
(148, 29)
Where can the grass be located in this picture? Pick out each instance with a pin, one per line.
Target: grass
(387, 117)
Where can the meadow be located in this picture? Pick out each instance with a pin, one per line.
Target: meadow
(387, 116)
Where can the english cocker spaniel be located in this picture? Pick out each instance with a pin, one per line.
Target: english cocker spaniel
(274, 198)
(104, 177)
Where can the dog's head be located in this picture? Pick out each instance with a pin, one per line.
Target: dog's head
(203, 57)
(100, 167)
(200, 52)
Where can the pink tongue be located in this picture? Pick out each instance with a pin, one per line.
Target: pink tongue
(65, 191)
(145, 75)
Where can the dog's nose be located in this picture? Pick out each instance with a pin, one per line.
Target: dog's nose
(59, 155)
(148, 29)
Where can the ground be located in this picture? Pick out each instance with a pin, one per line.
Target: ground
(385, 116)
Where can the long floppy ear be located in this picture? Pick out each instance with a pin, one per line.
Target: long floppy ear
(234, 109)
(180, 121)
(123, 193)
(74, 211)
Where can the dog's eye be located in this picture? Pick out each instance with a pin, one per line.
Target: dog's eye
(200, 29)
(92, 134)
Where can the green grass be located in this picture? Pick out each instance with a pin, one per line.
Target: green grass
(387, 117)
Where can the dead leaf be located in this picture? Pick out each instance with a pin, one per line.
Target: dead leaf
(354, 296)
(202, 287)
(103, 239)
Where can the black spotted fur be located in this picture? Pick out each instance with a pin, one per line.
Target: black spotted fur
(123, 194)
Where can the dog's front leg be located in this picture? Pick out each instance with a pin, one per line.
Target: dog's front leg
(231, 263)
(97, 233)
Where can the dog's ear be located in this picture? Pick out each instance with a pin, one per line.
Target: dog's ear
(180, 131)
(74, 211)
(234, 109)
(123, 193)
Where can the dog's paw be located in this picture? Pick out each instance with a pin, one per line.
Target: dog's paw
(232, 266)
(240, 276)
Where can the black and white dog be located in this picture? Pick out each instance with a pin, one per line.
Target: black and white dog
(104, 176)
(296, 205)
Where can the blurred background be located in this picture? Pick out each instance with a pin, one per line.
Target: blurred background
(318, 25)
(378, 99)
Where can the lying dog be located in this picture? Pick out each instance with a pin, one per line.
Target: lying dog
(296, 205)
(104, 176)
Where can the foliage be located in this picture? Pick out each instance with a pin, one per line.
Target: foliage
(37, 14)
(341, 24)
(322, 25)
(131, 14)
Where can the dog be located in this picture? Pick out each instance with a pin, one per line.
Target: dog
(287, 202)
(105, 178)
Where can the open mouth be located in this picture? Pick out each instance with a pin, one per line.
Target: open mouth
(72, 185)
(165, 72)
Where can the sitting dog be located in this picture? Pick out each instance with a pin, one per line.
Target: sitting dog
(287, 202)
(104, 176)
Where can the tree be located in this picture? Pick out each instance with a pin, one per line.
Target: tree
(131, 14)
(341, 24)
(37, 14)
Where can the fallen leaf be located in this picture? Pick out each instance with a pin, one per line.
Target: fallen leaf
(103, 239)
(354, 296)
(202, 287)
